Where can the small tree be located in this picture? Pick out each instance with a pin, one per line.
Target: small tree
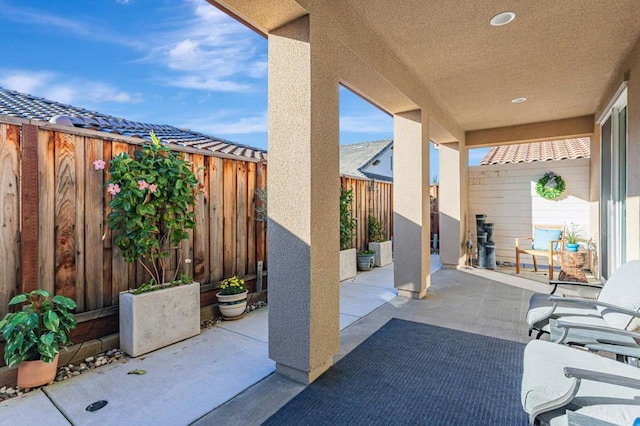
(376, 233)
(152, 206)
(347, 221)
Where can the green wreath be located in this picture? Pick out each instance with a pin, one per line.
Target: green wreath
(550, 186)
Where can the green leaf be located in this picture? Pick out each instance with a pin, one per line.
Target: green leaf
(42, 293)
(51, 321)
(21, 298)
(138, 372)
(64, 302)
(47, 338)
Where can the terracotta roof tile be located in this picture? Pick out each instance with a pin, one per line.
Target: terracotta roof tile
(564, 149)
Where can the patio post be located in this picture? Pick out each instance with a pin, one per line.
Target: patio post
(303, 182)
(411, 214)
(454, 221)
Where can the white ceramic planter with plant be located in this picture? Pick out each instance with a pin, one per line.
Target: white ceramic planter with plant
(154, 195)
(347, 231)
(35, 335)
(232, 298)
(382, 247)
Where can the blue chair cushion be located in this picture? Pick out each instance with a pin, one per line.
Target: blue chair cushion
(542, 237)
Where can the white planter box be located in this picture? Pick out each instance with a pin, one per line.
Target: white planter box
(153, 320)
(348, 264)
(384, 253)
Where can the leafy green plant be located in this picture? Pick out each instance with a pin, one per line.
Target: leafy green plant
(347, 221)
(152, 206)
(366, 253)
(550, 186)
(40, 329)
(233, 285)
(573, 234)
(376, 233)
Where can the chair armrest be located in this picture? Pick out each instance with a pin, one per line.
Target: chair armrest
(521, 238)
(596, 376)
(593, 303)
(566, 325)
(551, 243)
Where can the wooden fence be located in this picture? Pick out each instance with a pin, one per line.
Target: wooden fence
(370, 197)
(64, 245)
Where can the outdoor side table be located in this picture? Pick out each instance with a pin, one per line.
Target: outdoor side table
(571, 266)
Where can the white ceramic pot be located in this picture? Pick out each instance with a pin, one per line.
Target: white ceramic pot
(232, 306)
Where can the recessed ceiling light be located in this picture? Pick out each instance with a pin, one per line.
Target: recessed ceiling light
(518, 100)
(502, 19)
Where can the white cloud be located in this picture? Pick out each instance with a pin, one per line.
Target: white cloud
(229, 123)
(365, 124)
(83, 28)
(64, 88)
(208, 51)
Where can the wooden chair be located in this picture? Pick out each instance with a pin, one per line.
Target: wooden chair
(548, 252)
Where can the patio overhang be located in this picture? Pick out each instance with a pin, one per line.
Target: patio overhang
(446, 75)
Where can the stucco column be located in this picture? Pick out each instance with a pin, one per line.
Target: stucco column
(303, 182)
(411, 215)
(453, 203)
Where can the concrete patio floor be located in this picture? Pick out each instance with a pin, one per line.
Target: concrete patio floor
(224, 375)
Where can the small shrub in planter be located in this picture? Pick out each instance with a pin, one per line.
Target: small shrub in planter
(366, 259)
(232, 298)
(347, 221)
(36, 334)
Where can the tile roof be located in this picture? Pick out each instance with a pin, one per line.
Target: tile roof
(15, 104)
(357, 156)
(565, 149)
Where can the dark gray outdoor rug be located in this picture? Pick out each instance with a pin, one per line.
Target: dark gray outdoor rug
(417, 374)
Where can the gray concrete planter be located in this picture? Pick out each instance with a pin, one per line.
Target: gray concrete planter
(153, 320)
(384, 253)
(348, 264)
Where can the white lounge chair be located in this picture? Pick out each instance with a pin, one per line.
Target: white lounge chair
(557, 378)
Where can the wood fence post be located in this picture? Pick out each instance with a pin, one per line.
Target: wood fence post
(29, 219)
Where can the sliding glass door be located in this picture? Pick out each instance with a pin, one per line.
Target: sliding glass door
(613, 188)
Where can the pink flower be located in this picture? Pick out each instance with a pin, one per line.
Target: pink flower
(142, 185)
(153, 188)
(99, 164)
(113, 188)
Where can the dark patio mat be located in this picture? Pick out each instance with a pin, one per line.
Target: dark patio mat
(413, 373)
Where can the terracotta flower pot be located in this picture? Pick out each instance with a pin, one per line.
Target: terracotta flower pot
(232, 306)
(36, 373)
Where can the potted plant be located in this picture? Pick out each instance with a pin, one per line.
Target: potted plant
(382, 247)
(232, 299)
(152, 208)
(572, 237)
(347, 232)
(35, 335)
(366, 260)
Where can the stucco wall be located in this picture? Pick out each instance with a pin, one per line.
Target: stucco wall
(506, 194)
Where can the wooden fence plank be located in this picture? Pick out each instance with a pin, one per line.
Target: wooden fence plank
(46, 209)
(28, 204)
(65, 215)
(216, 233)
(79, 226)
(119, 267)
(251, 218)
(241, 218)
(261, 239)
(10, 210)
(94, 211)
(201, 231)
(229, 221)
(108, 296)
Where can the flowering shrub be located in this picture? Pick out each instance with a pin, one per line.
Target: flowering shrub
(233, 285)
(152, 206)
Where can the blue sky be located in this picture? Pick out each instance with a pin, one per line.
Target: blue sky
(179, 62)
